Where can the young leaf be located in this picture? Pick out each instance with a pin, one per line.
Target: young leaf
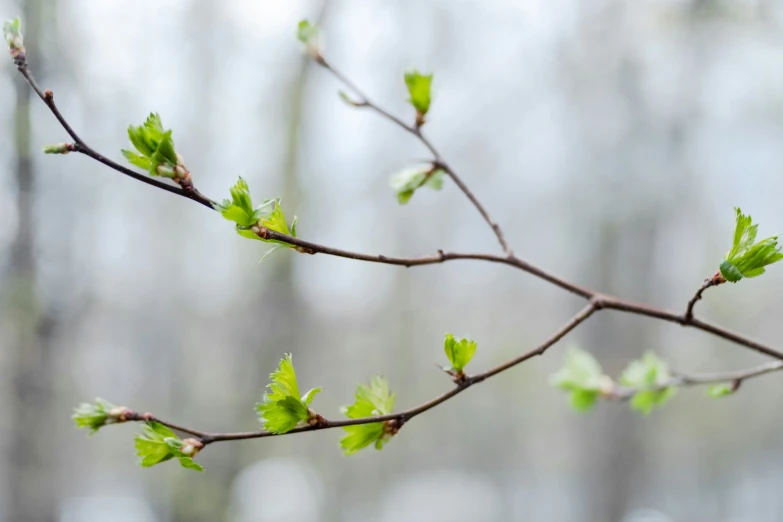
(269, 215)
(649, 377)
(373, 400)
(155, 148)
(747, 258)
(93, 416)
(239, 208)
(419, 90)
(307, 33)
(158, 444)
(459, 352)
(406, 182)
(583, 378)
(282, 409)
(275, 220)
(12, 33)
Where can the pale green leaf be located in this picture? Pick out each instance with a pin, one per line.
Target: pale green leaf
(459, 352)
(419, 90)
(747, 258)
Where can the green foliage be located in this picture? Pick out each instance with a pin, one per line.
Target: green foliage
(373, 400)
(747, 258)
(308, 34)
(583, 378)
(419, 90)
(12, 33)
(650, 376)
(93, 416)
(281, 408)
(269, 215)
(720, 390)
(155, 149)
(459, 352)
(406, 182)
(158, 444)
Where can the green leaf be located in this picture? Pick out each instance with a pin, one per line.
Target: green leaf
(583, 400)
(583, 378)
(747, 258)
(239, 208)
(188, 463)
(12, 33)
(281, 408)
(720, 390)
(649, 376)
(459, 352)
(93, 416)
(165, 154)
(361, 436)
(308, 397)
(269, 215)
(406, 182)
(158, 444)
(137, 159)
(419, 90)
(373, 400)
(275, 220)
(155, 147)
(306, 32)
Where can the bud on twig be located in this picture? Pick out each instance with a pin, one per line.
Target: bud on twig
(59, 148)
(190, 447)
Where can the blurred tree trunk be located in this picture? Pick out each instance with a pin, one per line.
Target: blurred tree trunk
(31, 491)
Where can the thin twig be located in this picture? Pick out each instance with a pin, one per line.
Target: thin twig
(733, 378)
(416, 131)
(398, 418)
(715, 280)
(80, 146)
(606, 301)
(596, 300)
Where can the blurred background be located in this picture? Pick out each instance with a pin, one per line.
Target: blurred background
(610, 139)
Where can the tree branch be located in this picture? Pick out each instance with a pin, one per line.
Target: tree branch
(716, 279)
(596, 300)
(80, 146)
(397, 420)
(733, 378)
(416, 131)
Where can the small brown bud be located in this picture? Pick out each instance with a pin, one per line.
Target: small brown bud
(190, 447)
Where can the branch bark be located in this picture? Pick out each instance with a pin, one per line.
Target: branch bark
(596, 301)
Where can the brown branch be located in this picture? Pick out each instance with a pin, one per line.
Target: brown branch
(80, 146)
(733, 378)
(415, 129)
(399, 418)
(715, 280)
(596, 300)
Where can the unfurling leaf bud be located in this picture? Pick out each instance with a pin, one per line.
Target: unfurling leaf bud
(12, 32)
(747, 258)
(93, 416)
(373, 400)
(190, 447)
(165, 171)
(59, 148)
(419, 90)
(308, 34)
(406, 182)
